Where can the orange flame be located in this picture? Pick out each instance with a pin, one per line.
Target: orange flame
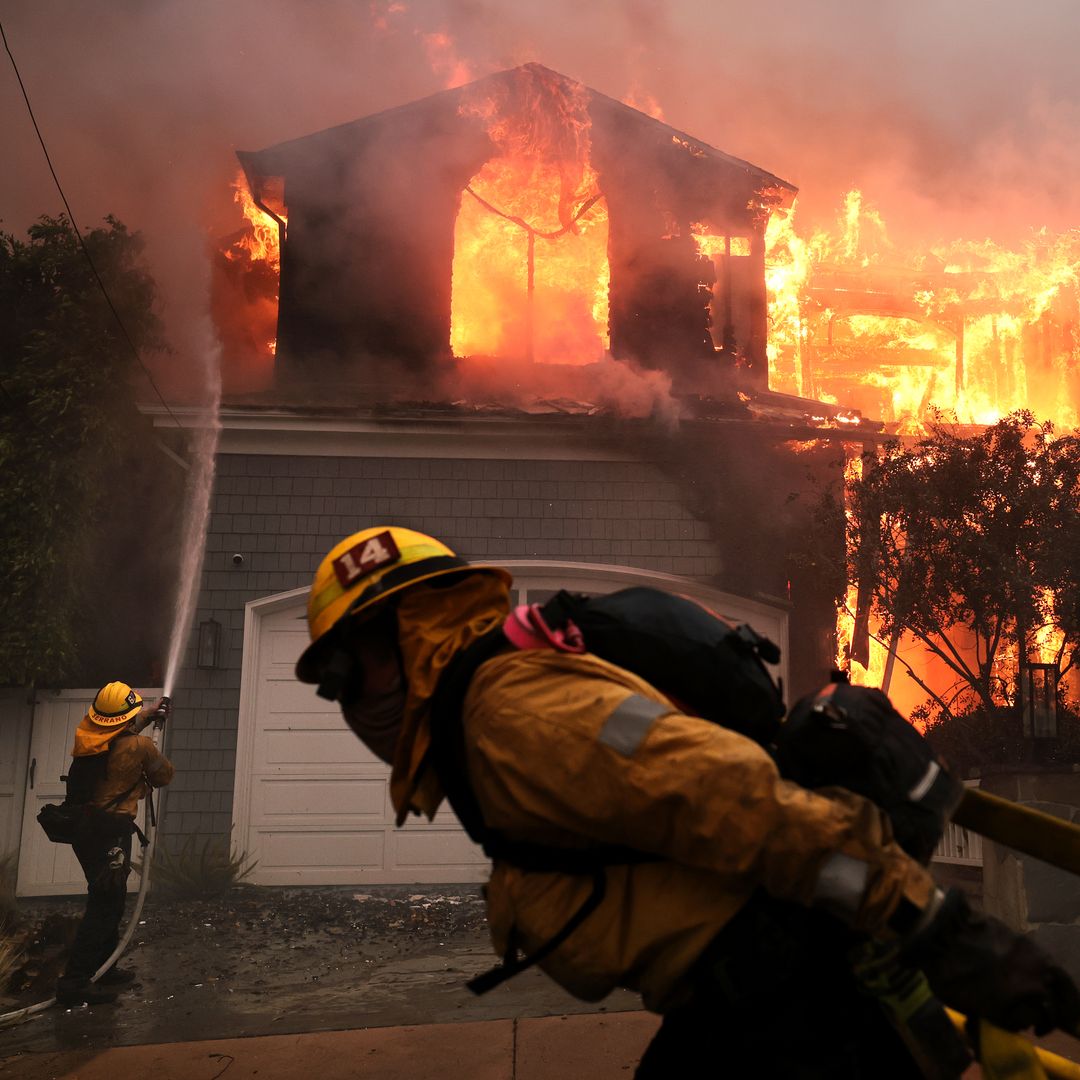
(973, 330)
(445, 60)
(530, 272)
(263, 243)
(1046, 639)
(246, 295)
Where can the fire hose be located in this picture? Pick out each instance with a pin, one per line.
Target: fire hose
(1033, 832)
(1013, 1055)
(150, 831)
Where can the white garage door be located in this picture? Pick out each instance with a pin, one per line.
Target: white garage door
(318, 802)
(313, 805)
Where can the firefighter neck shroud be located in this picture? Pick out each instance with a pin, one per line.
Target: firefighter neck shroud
(434, 625)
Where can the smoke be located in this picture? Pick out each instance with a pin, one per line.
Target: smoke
(957, 118)
(608, 385)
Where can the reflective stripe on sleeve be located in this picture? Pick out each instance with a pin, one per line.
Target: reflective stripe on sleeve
(625, 729)
(918, 792)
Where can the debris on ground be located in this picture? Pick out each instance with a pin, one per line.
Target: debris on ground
(261, 960)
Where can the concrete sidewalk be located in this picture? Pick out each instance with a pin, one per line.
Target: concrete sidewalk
(589, 1046)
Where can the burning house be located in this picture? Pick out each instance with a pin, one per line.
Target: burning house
(520, 218)
(523, 317)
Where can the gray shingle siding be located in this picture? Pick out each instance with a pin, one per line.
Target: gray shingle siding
(284, 513)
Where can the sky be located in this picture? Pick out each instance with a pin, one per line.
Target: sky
(956, 118)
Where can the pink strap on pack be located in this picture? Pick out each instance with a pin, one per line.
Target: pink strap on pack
(525, 629)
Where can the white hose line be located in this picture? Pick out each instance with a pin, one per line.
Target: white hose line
(14, 1017)
(147, 857)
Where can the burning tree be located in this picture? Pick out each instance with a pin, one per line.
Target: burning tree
(970, 544)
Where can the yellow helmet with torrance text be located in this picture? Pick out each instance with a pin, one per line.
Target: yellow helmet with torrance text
(363, 571)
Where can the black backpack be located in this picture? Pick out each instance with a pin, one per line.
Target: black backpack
(705, 664)
(75, 819)
(683, 650)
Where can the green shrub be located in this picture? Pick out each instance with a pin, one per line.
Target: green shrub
(199, 870)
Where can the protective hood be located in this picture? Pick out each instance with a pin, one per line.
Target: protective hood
(91, 738)
(434, 624)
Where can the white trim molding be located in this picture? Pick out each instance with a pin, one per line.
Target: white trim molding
(279, 432)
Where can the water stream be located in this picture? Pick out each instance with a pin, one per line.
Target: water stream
(201, 452)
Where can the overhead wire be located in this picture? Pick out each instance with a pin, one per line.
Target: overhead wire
(82, 243)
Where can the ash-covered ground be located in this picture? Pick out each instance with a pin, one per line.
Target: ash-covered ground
(259, 961)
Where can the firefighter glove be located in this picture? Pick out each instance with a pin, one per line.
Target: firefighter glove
(979, 966)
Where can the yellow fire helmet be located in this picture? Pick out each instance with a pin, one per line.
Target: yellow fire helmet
(366, 568)
(116, 703)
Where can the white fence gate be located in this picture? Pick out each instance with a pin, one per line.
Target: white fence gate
(957, 845)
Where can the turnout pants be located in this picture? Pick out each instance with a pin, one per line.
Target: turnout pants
(106, 862)
(774, 996)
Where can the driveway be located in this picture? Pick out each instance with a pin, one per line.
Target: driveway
(272, 961)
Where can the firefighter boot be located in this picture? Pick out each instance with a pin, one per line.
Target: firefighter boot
(75, 992)
(116, 978)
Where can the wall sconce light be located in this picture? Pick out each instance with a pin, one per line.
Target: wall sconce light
(208, 644)
(1038, 700)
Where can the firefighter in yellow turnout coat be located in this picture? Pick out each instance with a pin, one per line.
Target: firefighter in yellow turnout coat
(130, 766)
(735, 925)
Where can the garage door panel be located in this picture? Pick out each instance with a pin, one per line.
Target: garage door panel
(283, 694)
(310, 797)
(285, 646)
(314, 745)
(314, 849)
(433, 847)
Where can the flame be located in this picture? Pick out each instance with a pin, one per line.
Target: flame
(244, 301)
(1042, 643)
(262, 243)
(787, 266)
(1047, 638)
(871, 673)
(643, 101)
(967, 330)
(971, 330)
(444, 58)
(538, 192)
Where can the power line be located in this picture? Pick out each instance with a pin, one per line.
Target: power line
(82, 243)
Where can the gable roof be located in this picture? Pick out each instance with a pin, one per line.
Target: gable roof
(281, 158)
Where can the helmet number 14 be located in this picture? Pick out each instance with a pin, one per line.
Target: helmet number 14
(365, 558)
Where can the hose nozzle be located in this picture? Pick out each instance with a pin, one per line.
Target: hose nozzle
(162, 712)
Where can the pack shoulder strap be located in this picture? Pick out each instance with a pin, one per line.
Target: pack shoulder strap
(447, 757)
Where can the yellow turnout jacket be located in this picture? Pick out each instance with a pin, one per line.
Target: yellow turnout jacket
(571, 751)
(133, 758)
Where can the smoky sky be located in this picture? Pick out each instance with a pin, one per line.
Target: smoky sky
(956, 118)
